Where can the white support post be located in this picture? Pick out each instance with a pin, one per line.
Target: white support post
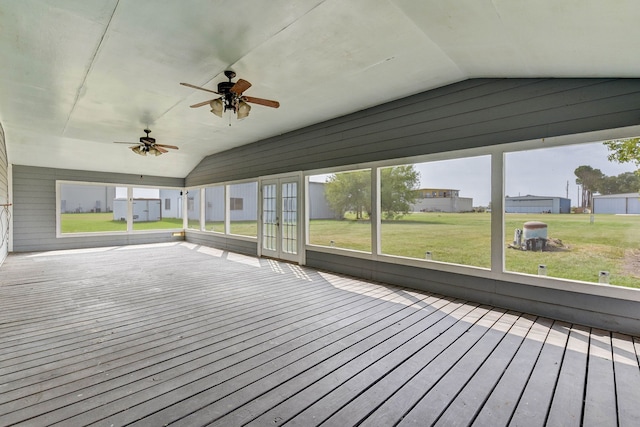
(497, 213)
(375, 212)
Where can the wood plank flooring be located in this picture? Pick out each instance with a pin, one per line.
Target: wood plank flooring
(182, 335)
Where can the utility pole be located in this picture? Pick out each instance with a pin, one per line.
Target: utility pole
(567, 189)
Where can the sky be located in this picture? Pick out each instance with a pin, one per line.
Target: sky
(542, 172)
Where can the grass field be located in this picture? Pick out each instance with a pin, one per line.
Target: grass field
(610, 243)
(101, 222)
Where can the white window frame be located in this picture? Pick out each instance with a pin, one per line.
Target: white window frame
(129, 229)
(497, 269)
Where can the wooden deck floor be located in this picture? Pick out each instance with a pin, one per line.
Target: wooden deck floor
(182, 335)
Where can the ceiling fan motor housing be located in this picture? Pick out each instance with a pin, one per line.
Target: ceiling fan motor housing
(225, 87)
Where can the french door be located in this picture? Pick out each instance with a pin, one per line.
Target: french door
(280, 218)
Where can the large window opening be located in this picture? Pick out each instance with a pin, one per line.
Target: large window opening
(438, 211)
(89, 208)
(107, 208)
(547, 209)
(149, 211)
(193, 209)
(340, 210)
(243, 212)
(214, 210)
(572, 213)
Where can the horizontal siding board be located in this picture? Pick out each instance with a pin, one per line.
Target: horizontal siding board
(387, 143)
(492, 112)
(350, 156)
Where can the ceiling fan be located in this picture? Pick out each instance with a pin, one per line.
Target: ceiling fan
(148, 145)
(232, 97)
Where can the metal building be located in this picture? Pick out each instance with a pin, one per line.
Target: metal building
(537, 204)
(628, 203)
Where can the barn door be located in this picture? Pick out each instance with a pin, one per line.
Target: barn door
(280, 218)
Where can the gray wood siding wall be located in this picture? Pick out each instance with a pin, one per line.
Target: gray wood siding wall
(4, 198)
(34, 213)
(469, 114)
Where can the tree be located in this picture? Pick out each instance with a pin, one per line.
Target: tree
(625, 151)
(397, 190)
(627, 182)
(590, 179)
(351, 192)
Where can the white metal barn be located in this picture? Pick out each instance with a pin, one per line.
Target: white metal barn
(444, 204)
(628, 203)
(537, 204)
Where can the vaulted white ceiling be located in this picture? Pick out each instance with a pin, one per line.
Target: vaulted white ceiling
(77, 75)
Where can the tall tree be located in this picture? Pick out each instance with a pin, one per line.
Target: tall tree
(590, 180)
(351, 192)
(397, 190)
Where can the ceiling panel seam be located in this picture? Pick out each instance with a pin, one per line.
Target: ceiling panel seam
(90, 67)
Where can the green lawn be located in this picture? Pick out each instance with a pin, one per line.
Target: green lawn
(465, 239)
(99, 222)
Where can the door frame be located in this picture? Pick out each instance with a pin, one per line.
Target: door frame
(296, 177)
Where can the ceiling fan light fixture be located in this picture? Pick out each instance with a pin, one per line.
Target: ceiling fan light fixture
(217, 107)
(138, 149)
(154, 151)
(243, 109)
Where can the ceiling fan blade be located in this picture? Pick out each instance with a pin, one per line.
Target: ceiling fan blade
(160, 149)
(166, 146)
(119, 142)
(200, 88)
(201, 104)
(261, 101)
(240, 86)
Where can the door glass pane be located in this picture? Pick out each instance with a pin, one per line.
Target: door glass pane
(290, 217)
(269, 217)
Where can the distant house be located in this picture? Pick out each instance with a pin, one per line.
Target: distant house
(628, 203)
(537, 204)
(441, 200)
